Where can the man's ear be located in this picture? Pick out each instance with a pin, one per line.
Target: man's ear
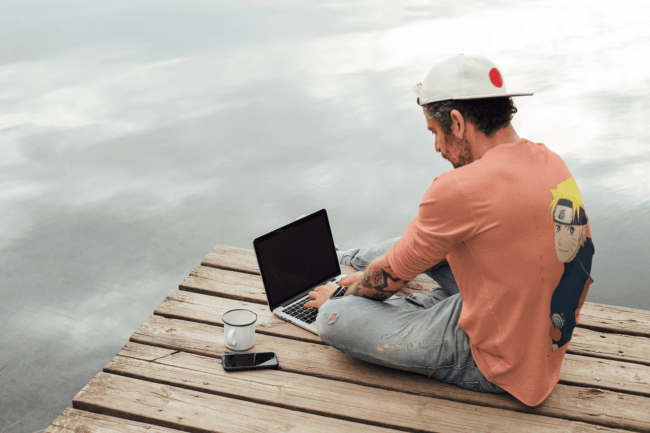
(457, 124)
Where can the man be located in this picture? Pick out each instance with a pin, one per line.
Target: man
(488, 328)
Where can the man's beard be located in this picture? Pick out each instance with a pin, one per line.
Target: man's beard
(463, 148)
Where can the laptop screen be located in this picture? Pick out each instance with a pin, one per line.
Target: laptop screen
(296, 257)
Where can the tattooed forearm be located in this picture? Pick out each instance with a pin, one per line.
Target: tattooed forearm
(378, 282)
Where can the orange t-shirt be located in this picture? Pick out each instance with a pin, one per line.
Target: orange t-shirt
(514, 229)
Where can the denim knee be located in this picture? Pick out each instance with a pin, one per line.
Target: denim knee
(327, 318)
(326, 315)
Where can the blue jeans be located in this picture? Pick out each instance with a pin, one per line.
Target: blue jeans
(417, 333)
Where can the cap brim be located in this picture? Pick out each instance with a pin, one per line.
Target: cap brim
(503, 95)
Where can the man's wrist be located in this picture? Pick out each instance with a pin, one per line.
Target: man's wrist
(338, 292)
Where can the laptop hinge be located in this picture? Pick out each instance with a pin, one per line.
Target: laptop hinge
(295, 298)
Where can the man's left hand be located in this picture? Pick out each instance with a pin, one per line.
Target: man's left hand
(320, 295)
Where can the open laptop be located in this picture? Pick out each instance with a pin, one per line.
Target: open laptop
(293, 260)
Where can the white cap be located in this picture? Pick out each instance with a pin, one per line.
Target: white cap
(463, 77)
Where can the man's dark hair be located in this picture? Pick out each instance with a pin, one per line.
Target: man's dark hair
(488, 115)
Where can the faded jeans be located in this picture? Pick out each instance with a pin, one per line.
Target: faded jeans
(417, 333)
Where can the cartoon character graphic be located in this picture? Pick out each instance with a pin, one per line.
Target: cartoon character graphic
(575, 250)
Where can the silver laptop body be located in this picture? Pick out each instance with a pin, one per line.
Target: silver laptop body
(293, 260)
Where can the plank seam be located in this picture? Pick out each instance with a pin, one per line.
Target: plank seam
(596, 421)
(90, 407)
(261, 330)
(606, 422)
(593, 327)
(220, 295)
(604, 388)
(599, 356)
(624, 332)
(227, 268)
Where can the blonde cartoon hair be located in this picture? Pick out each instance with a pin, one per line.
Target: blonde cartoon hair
(568, 191)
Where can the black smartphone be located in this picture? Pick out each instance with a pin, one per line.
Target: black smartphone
(249, 361)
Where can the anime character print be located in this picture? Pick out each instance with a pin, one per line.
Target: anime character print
(575, 250)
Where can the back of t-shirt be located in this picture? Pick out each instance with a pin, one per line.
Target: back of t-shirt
(514, 229)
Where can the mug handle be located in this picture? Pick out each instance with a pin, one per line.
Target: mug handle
(230, 338)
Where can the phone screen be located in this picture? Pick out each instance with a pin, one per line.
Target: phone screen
(248, 359)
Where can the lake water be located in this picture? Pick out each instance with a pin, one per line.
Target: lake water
(135, 136)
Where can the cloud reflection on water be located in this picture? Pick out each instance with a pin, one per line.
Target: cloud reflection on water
(135, 137)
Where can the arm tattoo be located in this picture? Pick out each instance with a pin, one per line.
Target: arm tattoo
(380, 279)
(377, 282)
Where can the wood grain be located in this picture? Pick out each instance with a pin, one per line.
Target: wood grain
(617, 347)
(324, 361)
(209, 309)
(232, 258)
(331, 398)
(79, 421)
(249, 287)
(598, 317)
(616, 375)
(196, 411)
(225, 284)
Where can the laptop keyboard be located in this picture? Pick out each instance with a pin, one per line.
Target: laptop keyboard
(307, 315)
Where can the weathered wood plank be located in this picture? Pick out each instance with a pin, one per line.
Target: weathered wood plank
(616, 347)
(225, 284)
(600, 317)
(209, 309)
(248, 287)
(195, 411)
(595, 316)
(390, 409)
(583, 370)
(232, 258)
(79, 421)
(587, 404)
(325, 361)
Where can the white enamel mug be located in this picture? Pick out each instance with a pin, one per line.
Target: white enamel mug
(239, 329)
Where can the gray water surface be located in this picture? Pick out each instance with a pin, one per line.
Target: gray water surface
(136, 136)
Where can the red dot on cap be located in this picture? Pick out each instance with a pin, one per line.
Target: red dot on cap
(495, 77)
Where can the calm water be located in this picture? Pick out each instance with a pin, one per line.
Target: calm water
(135, 136)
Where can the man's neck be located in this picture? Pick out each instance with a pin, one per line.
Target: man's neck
(505, 135)
(502, 136)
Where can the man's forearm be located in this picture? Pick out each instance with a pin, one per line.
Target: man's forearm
(378, 281)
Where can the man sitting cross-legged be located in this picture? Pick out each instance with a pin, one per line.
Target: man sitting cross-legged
(496, 219)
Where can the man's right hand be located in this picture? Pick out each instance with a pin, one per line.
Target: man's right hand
(349, 280)
(322, 294)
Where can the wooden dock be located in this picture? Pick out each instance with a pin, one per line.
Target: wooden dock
(169, 377)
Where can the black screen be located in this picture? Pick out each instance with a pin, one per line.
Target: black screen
(248, 359)
(297, 257)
